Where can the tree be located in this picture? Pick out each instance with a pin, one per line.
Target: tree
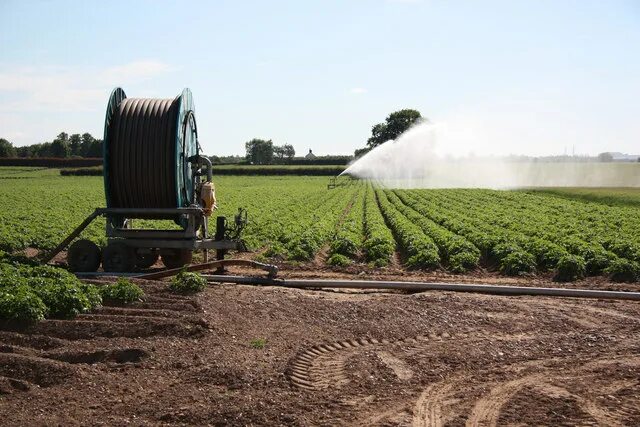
(7, 149)
(75, 143)
(395, 124)
(25, 151)
(60, 148)
(289, 151)
(85, 145)
(278, 152)
(259, 151)
(63, 136)
(63, 146)
(605, 157)
(282, 152)
(95, 148)
(42, 150)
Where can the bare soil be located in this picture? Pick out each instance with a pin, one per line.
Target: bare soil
(241, 355)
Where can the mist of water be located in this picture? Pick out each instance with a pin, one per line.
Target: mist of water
(429, 156)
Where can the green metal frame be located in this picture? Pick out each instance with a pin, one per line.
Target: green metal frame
(186, 146)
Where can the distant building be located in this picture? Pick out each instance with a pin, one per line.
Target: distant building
(622, 157)
(310, 156)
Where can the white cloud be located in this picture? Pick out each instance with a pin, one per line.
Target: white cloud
(358, 91)
(60, 89)
(39, 102)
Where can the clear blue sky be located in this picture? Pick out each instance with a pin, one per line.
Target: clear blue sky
(319, 74)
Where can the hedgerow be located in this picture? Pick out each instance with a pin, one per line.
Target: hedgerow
(90, 171)
(50, 162)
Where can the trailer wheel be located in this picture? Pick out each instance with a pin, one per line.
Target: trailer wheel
(146, 257)
(83, 255)
(176, 258)
(118, 258)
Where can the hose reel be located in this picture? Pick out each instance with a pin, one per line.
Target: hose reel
(151, 153)
(152, 169)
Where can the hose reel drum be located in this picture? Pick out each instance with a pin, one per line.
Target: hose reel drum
(151, 152)
(153, 170)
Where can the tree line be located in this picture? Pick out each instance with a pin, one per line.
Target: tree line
(257, 151)
(264, 152)
(63, 146)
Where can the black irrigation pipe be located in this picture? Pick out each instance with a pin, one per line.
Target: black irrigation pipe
(141, 151)
(405, 286)
(423, 286)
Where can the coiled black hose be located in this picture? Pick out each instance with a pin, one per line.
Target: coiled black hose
(142, 154)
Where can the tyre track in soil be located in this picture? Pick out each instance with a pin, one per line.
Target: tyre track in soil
(487, 410)
(580, 314)
(428, 408)
(46, 353)
(322, 367)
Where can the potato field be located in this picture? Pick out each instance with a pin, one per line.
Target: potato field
(570, 233)
(190, 350)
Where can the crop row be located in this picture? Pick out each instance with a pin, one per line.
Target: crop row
(590, 232)
(456, 251)
(304, 243)
(300, 231)
(514, 251)
(613, 229)
(379, 244)
(520, 235)
(346, 241)
(420, 249)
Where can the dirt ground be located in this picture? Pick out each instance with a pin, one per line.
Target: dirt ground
(241, 355)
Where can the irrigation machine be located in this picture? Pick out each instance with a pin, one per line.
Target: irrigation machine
(153, 170)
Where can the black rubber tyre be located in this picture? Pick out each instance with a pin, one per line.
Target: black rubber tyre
(176, 258)
(84, 255)
(146, 257)
(118, 258)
